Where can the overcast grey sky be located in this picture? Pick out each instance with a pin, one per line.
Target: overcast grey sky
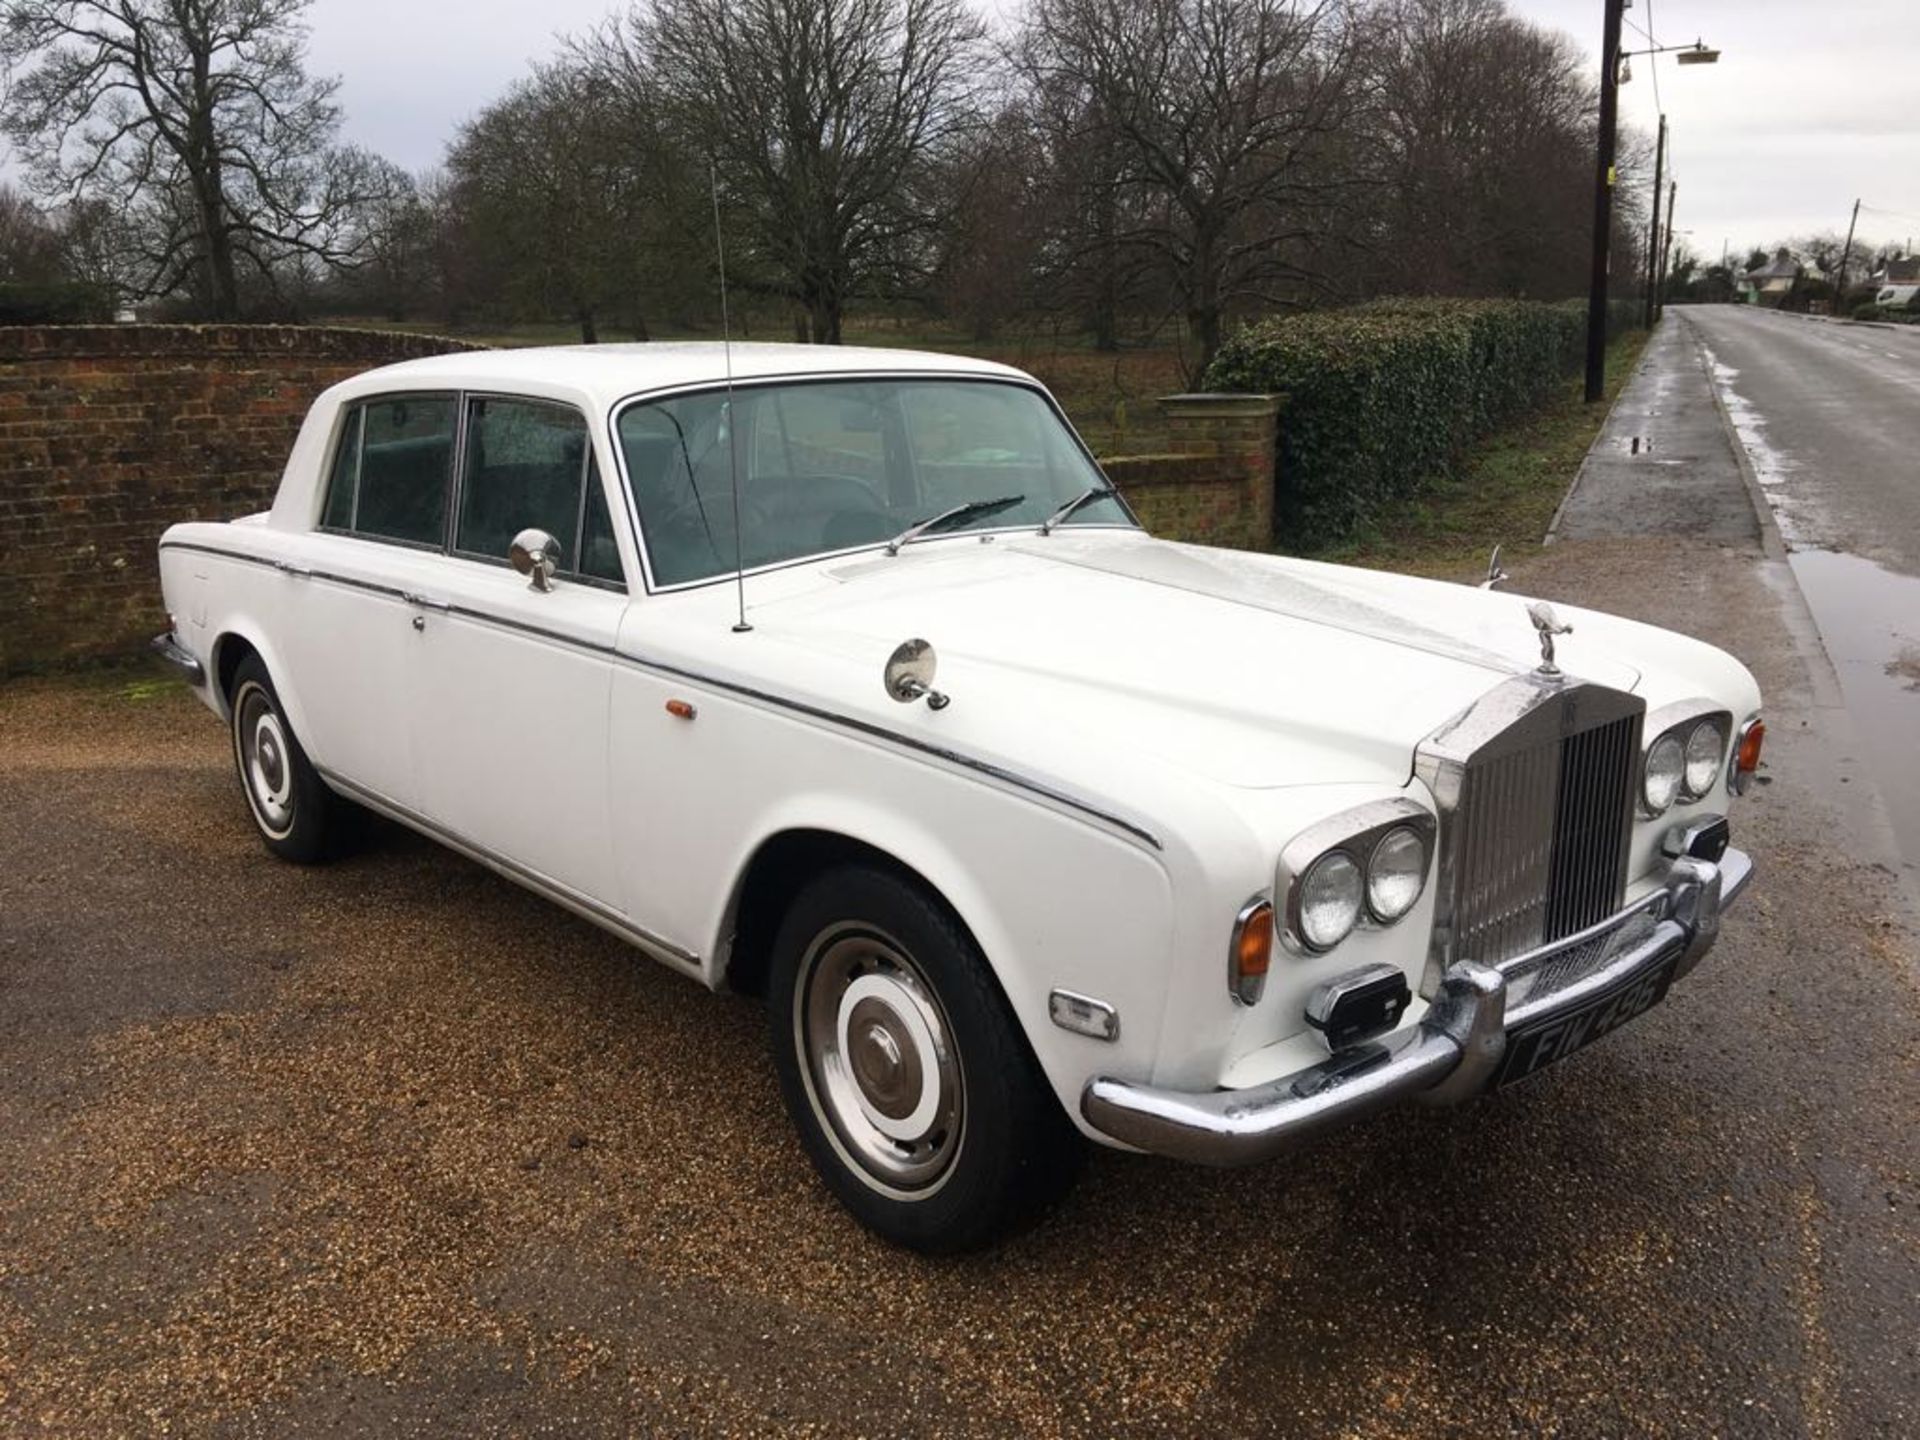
(1811, 105)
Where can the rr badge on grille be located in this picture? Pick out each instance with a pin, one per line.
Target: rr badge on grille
(1548, 625)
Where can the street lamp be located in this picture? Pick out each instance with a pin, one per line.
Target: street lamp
(1611, 59)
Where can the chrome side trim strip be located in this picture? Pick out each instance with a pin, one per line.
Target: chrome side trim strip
(1011, 778)
(909, 742)
(584, 906)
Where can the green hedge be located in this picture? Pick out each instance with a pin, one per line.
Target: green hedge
(1382, 397)
(60, 302)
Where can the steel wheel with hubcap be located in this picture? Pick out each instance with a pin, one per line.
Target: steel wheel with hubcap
(913, 1089)
(880, 1066)
(297, 816)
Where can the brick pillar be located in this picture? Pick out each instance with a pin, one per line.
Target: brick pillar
(1243, 429)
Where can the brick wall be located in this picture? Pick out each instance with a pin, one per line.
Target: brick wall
(1215, 486)
(110, 433)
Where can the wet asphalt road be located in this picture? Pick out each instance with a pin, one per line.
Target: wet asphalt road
(392, 1147)
(1831, 414)
(1828, 417)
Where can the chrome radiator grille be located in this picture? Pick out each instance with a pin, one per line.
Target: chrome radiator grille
(1535, 788)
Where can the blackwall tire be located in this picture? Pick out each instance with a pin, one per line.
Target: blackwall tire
(914, 1092)
(299, 819)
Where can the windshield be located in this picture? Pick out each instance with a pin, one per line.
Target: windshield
(832, 465)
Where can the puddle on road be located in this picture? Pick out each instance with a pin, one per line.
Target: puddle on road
(1770, 467)
(1869, 617)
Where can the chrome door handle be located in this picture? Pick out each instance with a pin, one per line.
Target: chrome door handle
(424, 602)
(298, 572)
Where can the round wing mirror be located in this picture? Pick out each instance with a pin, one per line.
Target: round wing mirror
(535, 554)
(909, 675)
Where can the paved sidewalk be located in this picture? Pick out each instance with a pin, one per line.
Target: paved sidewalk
(1663, 464)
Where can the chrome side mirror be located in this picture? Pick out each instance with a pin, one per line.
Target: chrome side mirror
(909, 675)
(536, 555)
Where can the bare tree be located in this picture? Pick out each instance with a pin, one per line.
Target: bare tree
(823, 118)
(197, 115)
(1230, 116)
(29, 242)
(570, 199)
(1485, 129)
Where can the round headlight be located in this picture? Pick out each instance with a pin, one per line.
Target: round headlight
(1330, 894)
(1396, 874)
(1660, 782)
(1706, 748)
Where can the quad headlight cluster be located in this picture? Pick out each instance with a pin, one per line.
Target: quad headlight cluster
(1367, 865)
(1685, 759)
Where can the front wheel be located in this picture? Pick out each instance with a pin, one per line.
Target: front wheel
(914, 1092)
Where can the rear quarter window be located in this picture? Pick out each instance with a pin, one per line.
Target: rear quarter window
(392, 468)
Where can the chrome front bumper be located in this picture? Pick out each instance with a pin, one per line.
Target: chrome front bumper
(1454, 1051)
(182, 659)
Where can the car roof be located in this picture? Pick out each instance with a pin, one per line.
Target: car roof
(604, 374)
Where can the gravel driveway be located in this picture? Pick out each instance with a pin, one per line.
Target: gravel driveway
(395, 1147)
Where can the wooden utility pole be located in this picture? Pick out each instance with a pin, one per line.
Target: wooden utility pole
(1603, 203)
(1653, 230)
(1666, 250)
(1846, 253)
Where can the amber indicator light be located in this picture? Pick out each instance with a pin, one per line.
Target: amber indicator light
(1754, 737)
(1253, 949)
(680, 709)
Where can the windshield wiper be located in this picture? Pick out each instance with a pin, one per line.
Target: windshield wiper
(1084, 498)
(952, 517)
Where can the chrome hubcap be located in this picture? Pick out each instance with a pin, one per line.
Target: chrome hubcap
(264, 760)
(878, 1058)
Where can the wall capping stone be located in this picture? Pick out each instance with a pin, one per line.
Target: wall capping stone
(87, 342)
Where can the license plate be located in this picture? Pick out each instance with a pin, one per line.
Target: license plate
(1533, 1047)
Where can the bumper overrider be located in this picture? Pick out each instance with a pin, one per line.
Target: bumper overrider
(169, 649)
(1593, 981)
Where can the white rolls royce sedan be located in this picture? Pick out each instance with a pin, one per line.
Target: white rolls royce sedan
(843, 677)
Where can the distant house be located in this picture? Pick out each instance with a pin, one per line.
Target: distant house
(1773, 283)
(1904, 270)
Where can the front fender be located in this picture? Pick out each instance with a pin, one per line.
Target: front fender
(1098, 920)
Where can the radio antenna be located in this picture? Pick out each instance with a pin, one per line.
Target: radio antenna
(740, 626)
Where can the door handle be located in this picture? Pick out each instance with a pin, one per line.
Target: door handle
(425, 603)
(298, 572)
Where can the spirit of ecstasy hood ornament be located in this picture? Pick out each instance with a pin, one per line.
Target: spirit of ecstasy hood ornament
(1548, 624)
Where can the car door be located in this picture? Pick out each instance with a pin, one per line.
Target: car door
(509, 719)
(349, 640)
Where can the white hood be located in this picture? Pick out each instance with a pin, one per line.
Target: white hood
(1247, 669)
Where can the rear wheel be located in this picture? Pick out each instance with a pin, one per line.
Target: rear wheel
(297, 816)
(914, 1091)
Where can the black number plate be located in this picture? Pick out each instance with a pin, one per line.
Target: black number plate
(1534, 1046)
